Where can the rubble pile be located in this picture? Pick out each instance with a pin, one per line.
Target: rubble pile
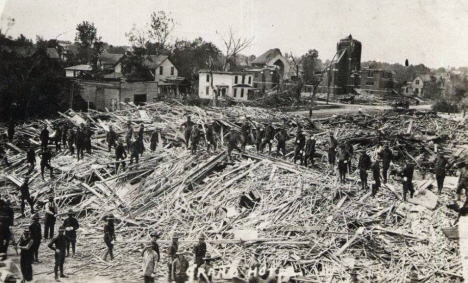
(300, 219)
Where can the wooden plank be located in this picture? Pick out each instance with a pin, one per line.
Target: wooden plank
(359, 232)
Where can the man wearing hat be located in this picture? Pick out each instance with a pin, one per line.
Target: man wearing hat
(109, 236)
(140, 138)
(88, 134)
(80, 142)
(25, 244)
(129, 135)
(31, 159)
(245, 130)
(440, 164)
(269, 136)
(111, 138)
(71, 140)
(45, 162)
(463, 180)
(199, 253)
(172, 253)
(151, 258)
(64, 135)
(309, 150)
(342, 157)
(281, 137)
(154, 140)
(36, 235)
(120, 154)
(232, 138)
(299, 147)
(187, 126)
(259, 135)
(407, 174)
(58, 138)
(195, 138)
(135, 150)
(376, 174)
(50, 211)
(44, 137)
(71, 225)
(387, 157)
(59, 244)
(25, 196)
(333, 143)
(206, 269)
(364, 165)
(209, 135)
(179, 267)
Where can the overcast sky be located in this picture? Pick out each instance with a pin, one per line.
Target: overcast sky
(431, 32)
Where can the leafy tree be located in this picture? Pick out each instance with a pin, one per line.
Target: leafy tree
(90, 46)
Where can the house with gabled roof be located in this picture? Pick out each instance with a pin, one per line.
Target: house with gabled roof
(273, 58)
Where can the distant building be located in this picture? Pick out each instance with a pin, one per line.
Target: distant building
(426, 85)
(237, 85)
(344, 72)
(377, 81)
(265, 78)
(273, 58)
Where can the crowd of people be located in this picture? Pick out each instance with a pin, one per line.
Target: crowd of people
(339, 156)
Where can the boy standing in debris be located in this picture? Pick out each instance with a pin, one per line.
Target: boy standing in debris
(80, 143)
(258, 139)
(281, 137)
(269, 136)
(342, 162)
(210, 140)
(439, 169)
(31, 159)
(299, 147)
(151, 258)
(463, 180)
(59, 244)
(364, 164)
(111, 138)
(44, 137)
(187, 126)
(109, 236)
(199, 253)
(376, 174)
(135, 150)
(50, 217)
(154, 140)
(45, 162)
(407, 174)
(129, 135)
(71, 225)
(350, 152)
(387, 157)
(172, 253)
(245, 130)
(25, 196)
(195, 138)
(25, 243)
(120, 154)
(36, 235)
(310, 150)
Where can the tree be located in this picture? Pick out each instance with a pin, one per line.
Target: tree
(234, 45)
(90, 46)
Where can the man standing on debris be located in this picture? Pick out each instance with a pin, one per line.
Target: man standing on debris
(172, 253)
(50, 211)
(350, 152)
(387, 157)
(31, 159)
(299, 146)
(11, 131)
(44, 137)
(88, 135)
(111, 138)
(71, 140)
(364, 164)
(463, 180)
(258, 139)
(5, 235)
(376, 174)
(195, 138)
(342, 162)
(36, 235)
(25, 196)
(233, 138)
(120, 154)
(109, 236)
(199, 252)
(281, 137)
(64, 135)
(59, 244)
(187, 126)
(407, 174)
(333, 143)
(310, 150)
(141, 131)
(154, 140)
(58, 138)
(25, 243)
(245, 130)
(440, 164)
(210, 139)
(269, 135)
(79, 142)
(179, 268)
(45, 162)
(151, 258)
(71, 225)
(129, 135)
(135, 150)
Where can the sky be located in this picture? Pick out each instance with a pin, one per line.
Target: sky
(430, 32)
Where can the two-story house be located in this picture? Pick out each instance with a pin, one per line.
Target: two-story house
(427, 85)
(236, 85)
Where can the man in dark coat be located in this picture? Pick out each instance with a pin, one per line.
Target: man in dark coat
(58, 245)
(376, 174)
(5, 235)
(129, 135)
(407, 174)
(269, 136)
(154, 140)
(88, 136)
(233, 138)
(210, 139)
(71, 225)
(25, 196)
(187, 127)
(364, 165)
(299, 147)
(310, 151)
(195, 138)
(440, 164)
(36, 235)
(71, 140)
(58, 139)
(258, 139)
(111, 139)
(50, 218)
(342, 157)
(350, 152)
(45, 162)
(199, 252)
(281, 137)
(31, 159)
(44, 137)
(80, 143)
(120, 154)
(333, 143)
(172, 253)
(141, 131)
(27, 255)
(245, 130)
(135, 151)
(387, 157)
(109, 236)
(65, 135)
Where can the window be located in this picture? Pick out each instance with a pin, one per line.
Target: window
(369, 83)
(139, 99)
(243, 79)
(417, 82)
(235, 79)
(256, 75)
(207, 78)
(242, 92)
(370, 74)
(207, 90)
(161, 70)
(255, 85)
(235, 92)
(172, 71)
(250, 79)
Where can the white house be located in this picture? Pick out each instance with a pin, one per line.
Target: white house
(75, 71)
(237, 85)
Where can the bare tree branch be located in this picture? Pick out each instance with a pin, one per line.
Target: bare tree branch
(234, 46)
